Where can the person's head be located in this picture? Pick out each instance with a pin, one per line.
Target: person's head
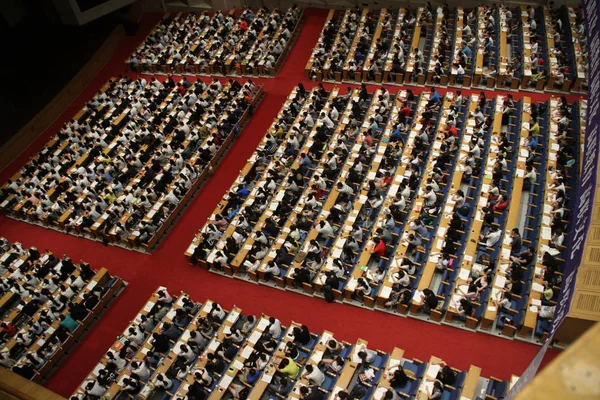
(309, 368)
(284, 363)
(303, 390)
(332, 343)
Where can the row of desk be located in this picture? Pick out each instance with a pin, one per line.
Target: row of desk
(12, 305)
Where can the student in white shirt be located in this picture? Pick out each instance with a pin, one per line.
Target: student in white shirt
(274, 328)
(314, 375)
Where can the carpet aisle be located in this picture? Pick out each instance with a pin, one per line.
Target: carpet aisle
(167, 266)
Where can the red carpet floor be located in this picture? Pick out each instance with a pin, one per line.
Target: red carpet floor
(167, 266)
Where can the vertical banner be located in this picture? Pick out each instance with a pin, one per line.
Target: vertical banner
(582, 213)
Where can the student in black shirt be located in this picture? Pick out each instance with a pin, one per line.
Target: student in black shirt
(399, 379)
(92, 298)
(446, 375)
(196, 392)
(214, 364)
(78, 312)
(431, 300)
(161, 343)
(302, 335)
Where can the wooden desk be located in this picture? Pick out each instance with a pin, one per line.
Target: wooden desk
(349, 370)
(470, 385)
(369, 60)
(410, 63)
(274, 163)
(545, 232)
(512, 219)
(439, 236)
(309, 64)
(430, 376)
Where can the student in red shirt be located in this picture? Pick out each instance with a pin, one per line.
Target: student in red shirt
(406, 111)
(243, 26)
(501, 204)
(8, 329)
(368, 139)
(452, 129)
(379, 249)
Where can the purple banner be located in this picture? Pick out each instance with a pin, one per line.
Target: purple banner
(582, 213)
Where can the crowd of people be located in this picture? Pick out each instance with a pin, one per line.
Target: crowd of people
(216, 43)
(120, 169)
(202, 347)
(347, 44)
(298, 245)
(46, 299)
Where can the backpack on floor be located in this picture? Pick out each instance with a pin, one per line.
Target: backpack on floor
(328, 294)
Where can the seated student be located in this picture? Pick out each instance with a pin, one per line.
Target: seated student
(288, 368)
(280, 386)
(314, 375)
(131, 385)
(465, 309)
(397, 376)
(446, 375)
(311, 394)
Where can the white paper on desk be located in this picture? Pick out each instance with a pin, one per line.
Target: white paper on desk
(351, 285)
(177, 349)
(491, 308)
(185, 337)
(500, 281)
(149, 306)
(439, 244)
(464, 274)
(237, 364)
(433, 370)
(533, 309)
(266, 378)
(546, 220)
(254, 337)
(233, 316)
(536, 287)
(378, 395)
(246, 352)
(482, 202)
(505, 254)
(213, 345)
(171, 314)
(441, 232)
(262, 324)
(226, 381)
(98, 368)
(546, 233)
(316, 356)
(385, 292)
